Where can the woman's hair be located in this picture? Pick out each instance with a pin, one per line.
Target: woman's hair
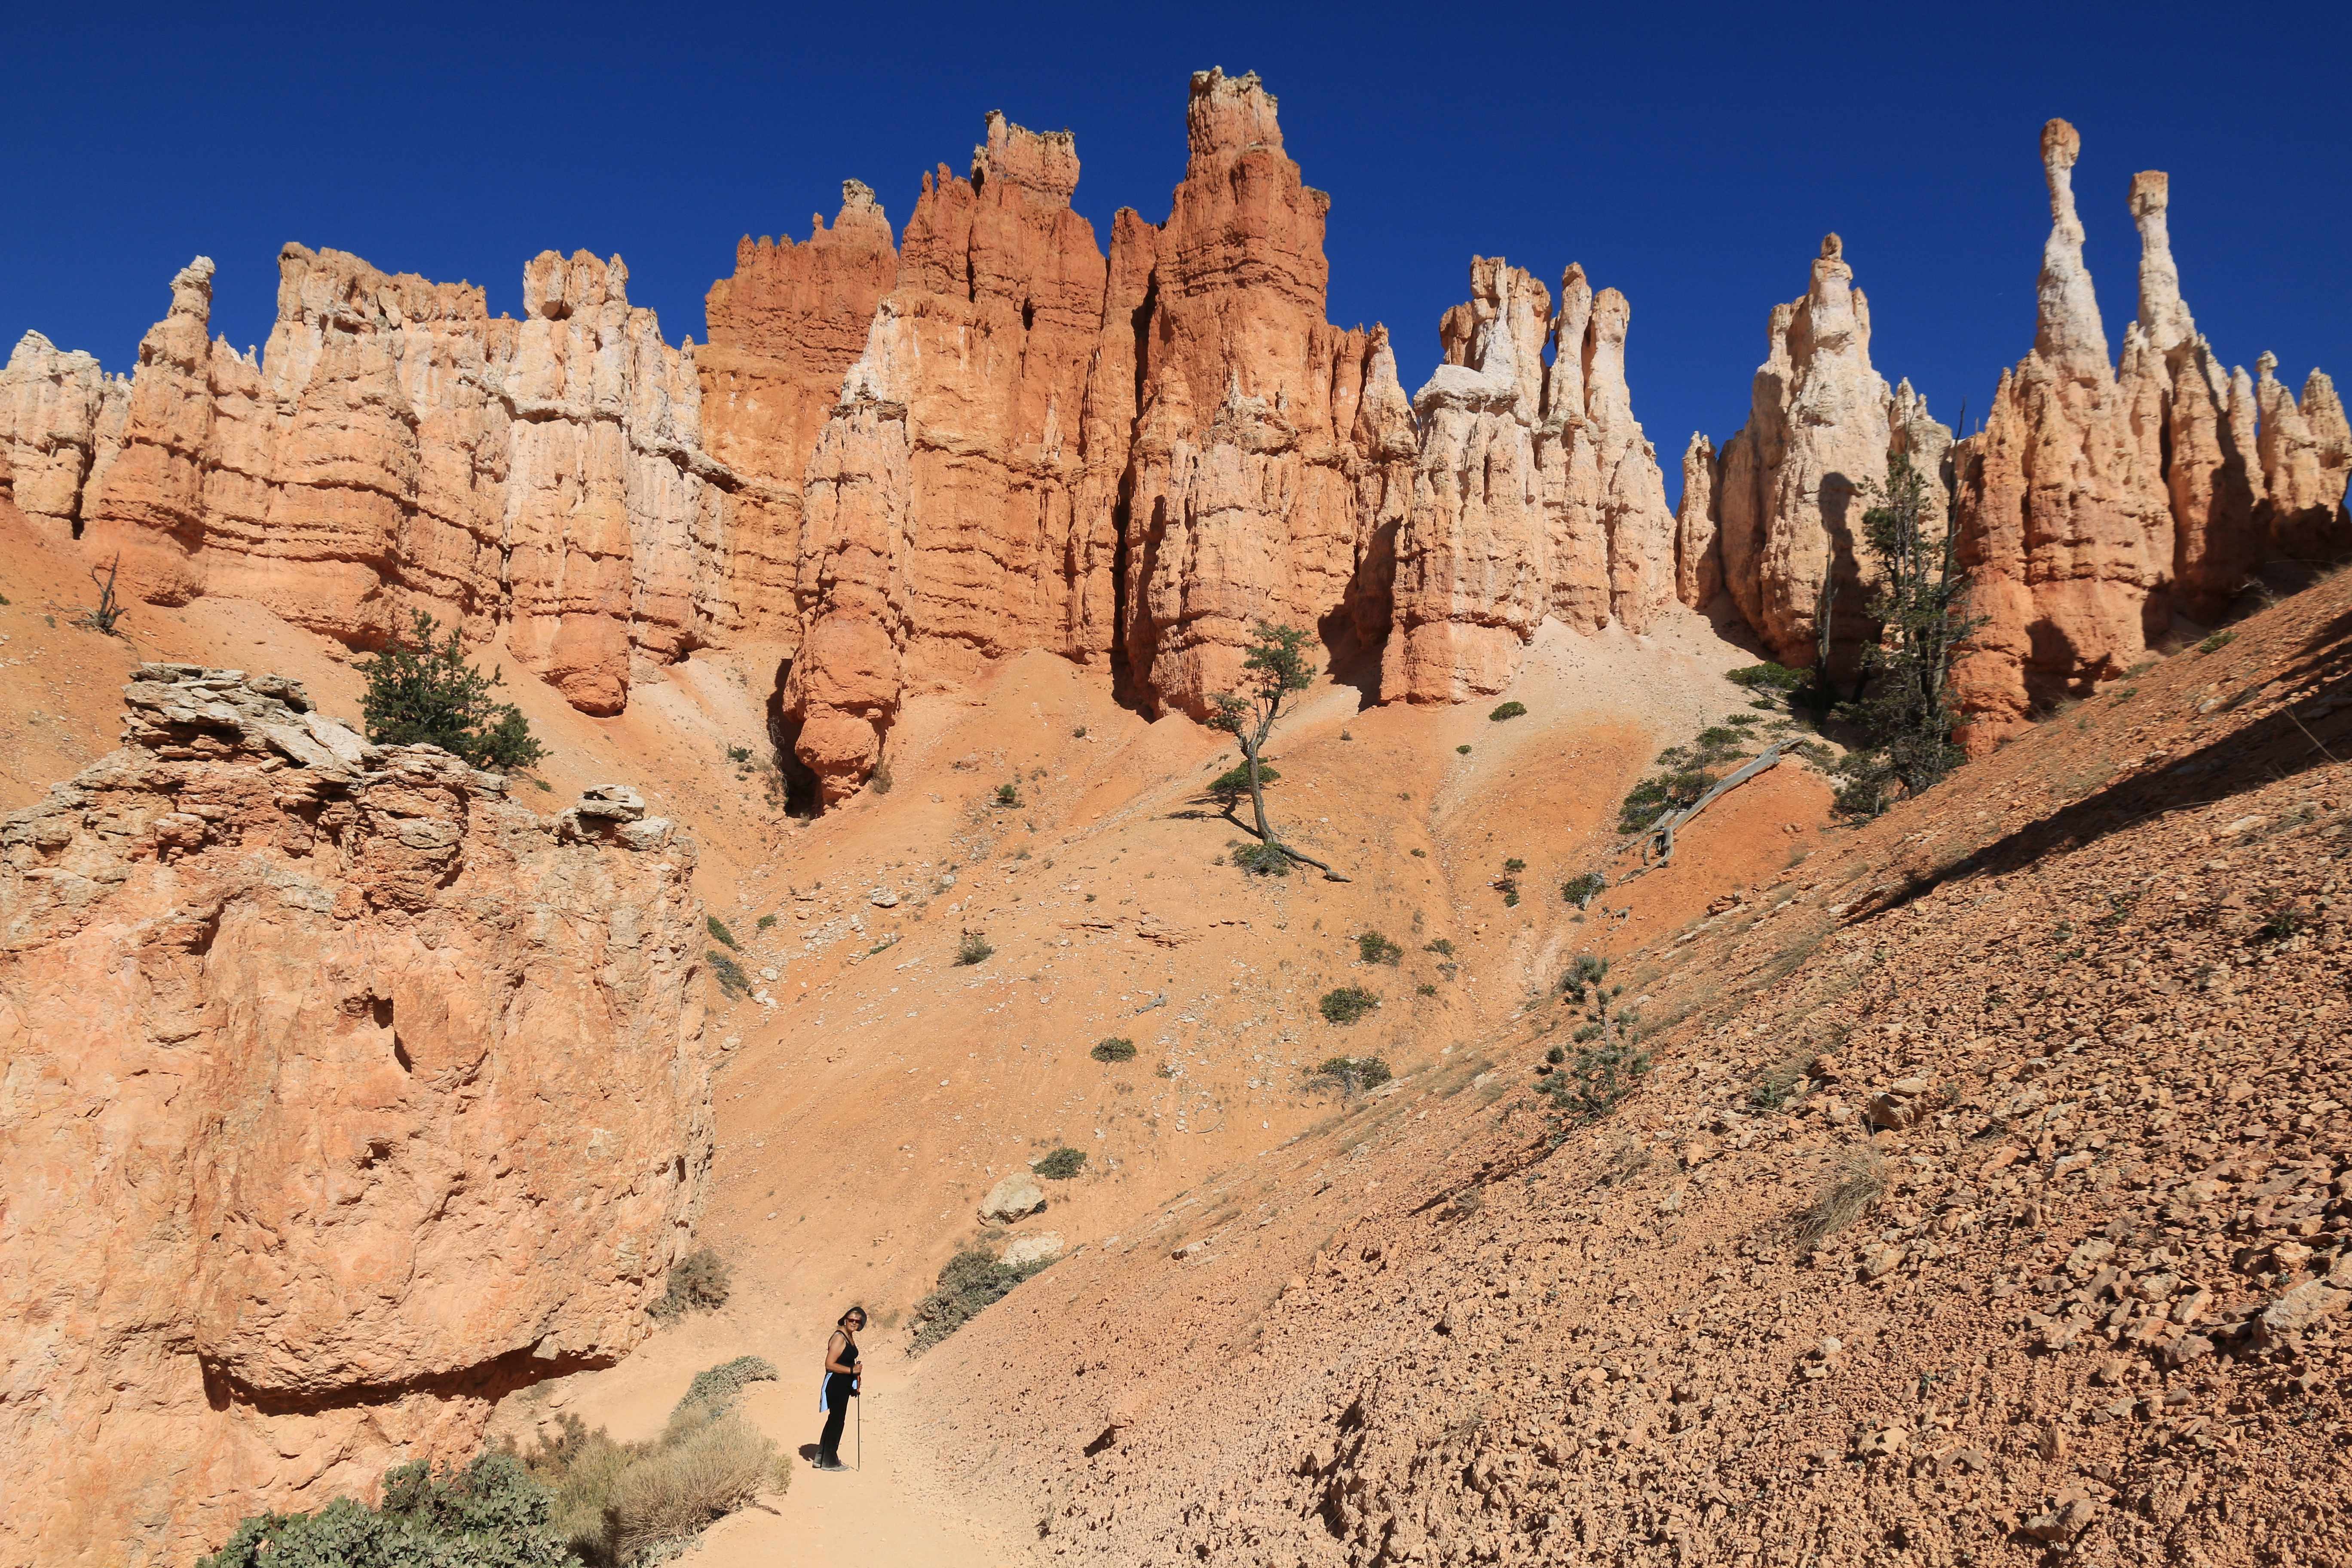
(858, 1312)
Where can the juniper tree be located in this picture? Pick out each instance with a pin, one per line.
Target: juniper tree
(1274, 669)
(1904, 710)
(421, 693)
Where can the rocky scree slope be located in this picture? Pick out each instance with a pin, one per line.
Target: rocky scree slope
(344, 1096)
(2066, 1035)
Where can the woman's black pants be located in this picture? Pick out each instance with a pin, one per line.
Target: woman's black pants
(836, 1400)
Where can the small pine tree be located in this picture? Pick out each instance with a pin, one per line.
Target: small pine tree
(419, 693)
(1904, 712)
(1277, 668)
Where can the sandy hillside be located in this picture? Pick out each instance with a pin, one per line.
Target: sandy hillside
(2067, 1035)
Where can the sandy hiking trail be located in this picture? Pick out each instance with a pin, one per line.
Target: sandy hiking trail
(894, 1511)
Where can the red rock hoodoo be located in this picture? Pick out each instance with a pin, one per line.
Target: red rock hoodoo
(895, 460)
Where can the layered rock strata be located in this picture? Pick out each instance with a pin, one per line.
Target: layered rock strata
(1535, 494)
(60, 423)
(1788, 490)
(346, 1096)
(1128, 459)
(785, 330)
(2307, 456)
(967, 410)
(393, 448)
(2098, 500)
(1271, 450)
(2065, 519)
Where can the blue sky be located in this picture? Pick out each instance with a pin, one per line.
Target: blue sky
(1691, 155)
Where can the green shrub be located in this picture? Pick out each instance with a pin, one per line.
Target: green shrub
(418, 694)
(1589, 1087)
(1234, 781)
(973, 949)
(1346, 1004)
(2216, 642)
(712, 1393)
(1263, 860)
(1061, 1164)
(1462, 749)
(1581, 890)
(738, 756)
(699, 1283)
(1117, 1048)
(618, 1505)
(1507, 710)
(718, 931)
(491, 1514)
(1585, 972)
(1768, 677)
(728, 973)
(1426, 988)
(1355, 1074)
(1374, 948)
(1513, 866)
(1438, 945)
(969, 1282)
(766, 921)
(1008, 793)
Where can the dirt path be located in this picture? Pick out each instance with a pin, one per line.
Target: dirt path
(894, 1513)
(881, 1516)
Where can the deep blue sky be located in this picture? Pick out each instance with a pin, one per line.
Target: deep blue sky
(1690, 155)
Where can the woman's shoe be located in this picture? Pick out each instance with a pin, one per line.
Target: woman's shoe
(827, 1465)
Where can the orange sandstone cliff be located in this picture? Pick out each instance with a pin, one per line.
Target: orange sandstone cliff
(345, 1095)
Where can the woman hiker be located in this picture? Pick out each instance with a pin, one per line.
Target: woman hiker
(839, 1386)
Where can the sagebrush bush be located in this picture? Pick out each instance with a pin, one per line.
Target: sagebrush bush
(719, 933)
(714, 1388)
(1061, 1164)
(1374, 948)
(421, 694)
(672, 1493)
(618, 1504)
(492, 1514)
(973, 949)
(1117, 1048)
(968, 1282)
(1263, 859)
(699, 1283)
(1008, 793)
(1346, 1004)
(1355, 1074)
(1507, 710)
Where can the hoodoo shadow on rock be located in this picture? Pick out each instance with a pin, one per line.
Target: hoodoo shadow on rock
(803, 797)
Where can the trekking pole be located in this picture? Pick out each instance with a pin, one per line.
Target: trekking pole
(861, 1429)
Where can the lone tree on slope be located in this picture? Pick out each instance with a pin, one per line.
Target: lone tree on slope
(1274, 669)
(1922, 606)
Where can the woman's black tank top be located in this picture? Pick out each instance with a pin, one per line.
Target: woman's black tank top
(848, 1356)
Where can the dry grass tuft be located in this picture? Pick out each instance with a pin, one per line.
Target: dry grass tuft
(1855, 1188)
(618, 1504)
